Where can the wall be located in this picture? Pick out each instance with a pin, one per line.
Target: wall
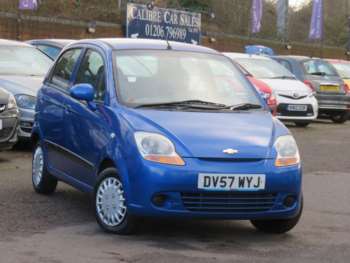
(31, 27)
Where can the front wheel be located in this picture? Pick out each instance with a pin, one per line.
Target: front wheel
(110, 204)
(278, 226)
(43, 181)
(340, 118)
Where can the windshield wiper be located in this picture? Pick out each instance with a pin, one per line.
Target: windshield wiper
(197, 104)
(283, 77)
(245, 106)
(319, 73)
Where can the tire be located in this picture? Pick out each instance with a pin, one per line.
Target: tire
(278, 226)
(43, 181)
(302, 124)
(109, 198)
(340, 118)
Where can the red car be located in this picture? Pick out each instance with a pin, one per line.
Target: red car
(264, 89)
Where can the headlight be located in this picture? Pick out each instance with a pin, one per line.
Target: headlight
(312, 94)
(12, 102)
(157, 148)
(26, 101)
(287, 151)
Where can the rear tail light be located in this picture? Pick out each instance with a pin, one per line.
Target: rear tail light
(310, 85)
(347, 88)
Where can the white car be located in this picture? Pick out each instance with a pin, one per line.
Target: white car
(295, 101)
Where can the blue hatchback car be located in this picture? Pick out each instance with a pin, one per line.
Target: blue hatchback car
(163, 129)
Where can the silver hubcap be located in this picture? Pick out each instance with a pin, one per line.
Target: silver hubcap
(38, 166)
(110, 202)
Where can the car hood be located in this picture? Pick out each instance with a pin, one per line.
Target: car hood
(28, 85)
(287, 86)
(207, 135)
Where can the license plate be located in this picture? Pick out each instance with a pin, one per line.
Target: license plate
(329, 88)
(297, 107)
(0, 124)
(227, 182)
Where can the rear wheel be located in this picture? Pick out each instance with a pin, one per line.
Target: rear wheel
(110, 204)
(278, 226)
(340, 118)
(302, 123)
(43, 181)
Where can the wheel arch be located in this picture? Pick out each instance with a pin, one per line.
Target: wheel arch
(35, 137)
(119, 165)
(106, 163)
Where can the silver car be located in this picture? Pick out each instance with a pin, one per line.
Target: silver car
(8, 120)
(22, 70)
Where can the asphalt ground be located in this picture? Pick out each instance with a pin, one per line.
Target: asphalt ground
(62, 228)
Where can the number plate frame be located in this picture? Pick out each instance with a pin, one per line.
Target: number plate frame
(231, 182)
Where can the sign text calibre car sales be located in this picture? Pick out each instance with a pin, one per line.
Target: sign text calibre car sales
(160, 23)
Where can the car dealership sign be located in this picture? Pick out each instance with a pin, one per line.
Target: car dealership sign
(160, 23)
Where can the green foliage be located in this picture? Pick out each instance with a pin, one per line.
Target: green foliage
(195, 4)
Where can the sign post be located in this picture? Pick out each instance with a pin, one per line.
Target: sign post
(161, 23)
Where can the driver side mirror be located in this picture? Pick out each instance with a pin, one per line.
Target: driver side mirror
(84, 92)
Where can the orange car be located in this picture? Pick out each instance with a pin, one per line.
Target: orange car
(343, 69)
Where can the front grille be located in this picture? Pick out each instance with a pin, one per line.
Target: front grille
(293, 97)
(282, 110)
(217, 202)
(5, 133)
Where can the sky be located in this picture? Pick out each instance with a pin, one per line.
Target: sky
(298, 3)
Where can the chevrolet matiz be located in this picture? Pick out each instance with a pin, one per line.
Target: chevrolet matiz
(163, 129)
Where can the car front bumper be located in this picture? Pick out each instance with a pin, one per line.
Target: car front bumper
(310, 115)
(177, 187)
(8, 133)
(26, 122)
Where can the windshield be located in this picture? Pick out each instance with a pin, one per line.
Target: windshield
(264, 68)
(155, 77)
(319, 67)
(15, 60)
(343, 70)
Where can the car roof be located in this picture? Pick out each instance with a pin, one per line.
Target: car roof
(139, 44)
(6, 42)
(56, 42)
(335, 61)
(234, 55)
(295, 57)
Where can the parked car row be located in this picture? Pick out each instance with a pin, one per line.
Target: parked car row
(22, 70)
(304, 89)
(295, 101)
(332, 93)
(165, 129)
